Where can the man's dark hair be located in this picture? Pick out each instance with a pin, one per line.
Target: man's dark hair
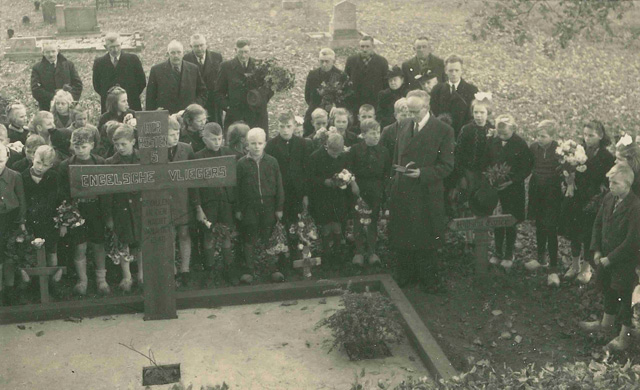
(242, 42)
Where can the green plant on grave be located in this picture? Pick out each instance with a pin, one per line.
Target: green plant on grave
(368, 319)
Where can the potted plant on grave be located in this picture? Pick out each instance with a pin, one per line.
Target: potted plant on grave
(267, 79)
(366, 324)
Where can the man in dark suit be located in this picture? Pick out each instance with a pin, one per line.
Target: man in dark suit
(455, 96)
(423, 63)
(368, 73)
(53, 72)
(209, 65)
(326, 72)
(232, 88)
(120, 68)
(174, 84)
(423, 157)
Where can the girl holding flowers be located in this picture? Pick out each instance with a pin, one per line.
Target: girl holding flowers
(583, 195)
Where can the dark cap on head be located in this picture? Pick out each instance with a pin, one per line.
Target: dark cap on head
(395, 72)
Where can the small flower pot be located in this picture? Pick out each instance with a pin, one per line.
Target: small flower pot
(160, 375)
(369, 351)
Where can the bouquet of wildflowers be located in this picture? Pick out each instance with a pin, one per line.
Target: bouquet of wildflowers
(68, 216)
(363, 212)
(220, 232)
(498, 174)
(278, 242)
(572, 158)
(116, 250)
(304, 231)
(335, 91)
(342, 179)
(268, 73)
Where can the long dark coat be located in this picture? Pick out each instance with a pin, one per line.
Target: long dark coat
(367, 80)
(457, 105)
(387, 98)
(326, 204)
(418, 217)
(209, 72)
(41, 204)
(545, 193)
(231, 95)
(45, 80)
(126, 208)
(516, 154)
(311, 95)
(412, 68)
(579, 212)
(128, 74)
(182, 199)
(615, 235)
(174, 95)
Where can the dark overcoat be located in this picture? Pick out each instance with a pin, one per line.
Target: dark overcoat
(516, 154)
(615, 234)
(126, 208)
(417, 211)
(311, 95)
(128, 74)
(166, 91)
(458, 104)
(579, 211)
(45, 80)
(412, 68)
(209, 72)
(387, 98)
(326, 204)
(231, 95)
(367, 79)
(545, 193)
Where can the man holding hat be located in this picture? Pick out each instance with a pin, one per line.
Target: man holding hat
(388, 97)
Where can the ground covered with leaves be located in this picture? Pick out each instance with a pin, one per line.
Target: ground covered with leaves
(513, 319)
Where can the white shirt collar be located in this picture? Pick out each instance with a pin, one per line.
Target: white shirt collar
(204, 57)
(114, 58)
(423, 122)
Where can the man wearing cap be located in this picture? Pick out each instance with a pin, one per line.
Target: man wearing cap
(427, 81)
(326, 72)
(208, 63)
(367, 71)
(123, 69)
(423, 63)
(53, 72)
(388, 97)
(174, 84)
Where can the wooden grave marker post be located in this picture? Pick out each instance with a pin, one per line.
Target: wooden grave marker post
(481, 227)
(43, 272)
(306, 262)
(153, 176)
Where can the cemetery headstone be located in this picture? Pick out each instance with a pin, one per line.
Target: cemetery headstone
(344, 28)
(43, 272)
(154, 175)
(292, 4)
(49, 12)
(481, 227)
(22, 48)
(76, 20)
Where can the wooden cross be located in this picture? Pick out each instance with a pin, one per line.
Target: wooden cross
(43, 272)
(306, 262)
(153, 176)
(481, 227)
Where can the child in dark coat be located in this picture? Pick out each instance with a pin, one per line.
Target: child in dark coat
(579, 210)
(545, 195)
(194, 118)
(125, 209)
(508, 147)
(34, 141)
(370, 163)
(615, 245)
(260, 197)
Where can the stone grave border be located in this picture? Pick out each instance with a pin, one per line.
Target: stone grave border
(417, 333)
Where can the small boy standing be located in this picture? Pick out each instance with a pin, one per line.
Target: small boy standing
(92, 209)
(615, 244)
(33, 142)
(260, 197)
(12, 211)
(216, 203)
(125, 210)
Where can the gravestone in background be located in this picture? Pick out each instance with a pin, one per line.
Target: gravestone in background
(344, 26)
(76, 20)
(22, 48)
(292, 4)
(49, 12)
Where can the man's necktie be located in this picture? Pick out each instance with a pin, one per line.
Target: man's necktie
(616, 202)
(115, 61)
(453, 88)
(415, 129)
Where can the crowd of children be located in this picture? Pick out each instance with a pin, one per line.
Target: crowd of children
(280, 178)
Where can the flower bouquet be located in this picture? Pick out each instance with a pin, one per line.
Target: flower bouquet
(363, 212)
(267, 78)
(220, 232)
(335, 92)
(342, 179)
(304, 231)
(497, 174)
(278, 242)
(116, 250)
(68, 216)
(572, 158)
(22, 249)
